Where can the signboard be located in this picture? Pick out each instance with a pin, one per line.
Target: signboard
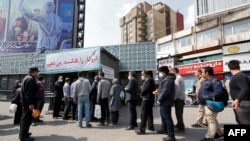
(166, 62)
(236, 48)
(72, 61)
(191, 68)
(109, 72)
(243, 58)
(34, 26)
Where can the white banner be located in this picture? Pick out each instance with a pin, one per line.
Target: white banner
(243, 58)
(71, 61)
(166, 62)
(109, 72)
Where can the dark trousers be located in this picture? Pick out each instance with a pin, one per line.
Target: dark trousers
(167, 121)
(115, 117)
(146, 115)
(57, 106)
(18, 114)
(67, 106)
(132, 113)
(104, 110)
(73, 110)
(92, 102)
(25, 122)
(179, 106)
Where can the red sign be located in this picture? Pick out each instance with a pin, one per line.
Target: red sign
(192, 68)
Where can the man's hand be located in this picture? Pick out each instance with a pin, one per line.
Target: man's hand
(235, 104)
(31, 107)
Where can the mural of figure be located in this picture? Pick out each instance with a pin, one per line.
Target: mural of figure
(2, 25)
(50, 25)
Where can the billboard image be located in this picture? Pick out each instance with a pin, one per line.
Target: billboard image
(33, 26)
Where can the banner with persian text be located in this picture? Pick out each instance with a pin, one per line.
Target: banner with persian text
(86, 59)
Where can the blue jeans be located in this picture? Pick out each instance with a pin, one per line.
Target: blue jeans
(167, 121)
(83, 99)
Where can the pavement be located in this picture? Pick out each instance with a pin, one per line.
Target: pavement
(67, 130)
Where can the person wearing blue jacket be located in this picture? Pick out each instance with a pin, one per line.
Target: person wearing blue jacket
(211, 89)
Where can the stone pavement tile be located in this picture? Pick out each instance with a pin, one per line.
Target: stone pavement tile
(67, 130)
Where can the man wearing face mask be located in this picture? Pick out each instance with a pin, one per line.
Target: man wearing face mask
(166, 95)
(147, 96)
(58, 92)
(131, 97)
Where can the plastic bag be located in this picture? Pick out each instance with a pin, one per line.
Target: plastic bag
(13, 108)
(98, 113)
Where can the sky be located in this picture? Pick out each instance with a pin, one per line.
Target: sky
(102, 18)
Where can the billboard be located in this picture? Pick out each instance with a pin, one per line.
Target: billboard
(33, 26)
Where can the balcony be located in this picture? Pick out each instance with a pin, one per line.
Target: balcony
(208, 44)
(142, 39)
(141, 26)
(142, 14)
(181, 50)
(236, 38)
(142, 33)
(141, 20)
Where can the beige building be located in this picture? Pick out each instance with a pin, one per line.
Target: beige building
(147, 23)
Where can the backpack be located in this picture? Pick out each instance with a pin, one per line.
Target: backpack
(225, 95)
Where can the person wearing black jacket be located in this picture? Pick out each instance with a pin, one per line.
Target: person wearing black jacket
(16, 100)
(29, 90)
(131, 97)
(240, 93)
(147, 96)
(92, 97)
(58, 92)
(166, 94)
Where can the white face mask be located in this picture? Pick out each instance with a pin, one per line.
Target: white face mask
(142, 78)
(160, 75)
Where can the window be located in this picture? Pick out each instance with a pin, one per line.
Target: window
(130, 28)
(207, 35)
(182, 42)
(165, 46)
(131, 34)
(3, 82)
(130, 40)
(151, 34)
(237, 27)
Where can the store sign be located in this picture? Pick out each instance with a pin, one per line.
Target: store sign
(243, 58)
(166, 62)
(236, 48)
(192, 68)
(72, 61)
(109, 72)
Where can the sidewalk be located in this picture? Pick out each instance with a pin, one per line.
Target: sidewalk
(61, 130)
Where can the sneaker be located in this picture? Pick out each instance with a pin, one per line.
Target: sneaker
(207, 139)
(89, 125)
(205, 124)
(196, 125)
(140, 132)
(161, 132)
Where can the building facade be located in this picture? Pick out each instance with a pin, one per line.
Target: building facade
(146, 22)
(213, 41)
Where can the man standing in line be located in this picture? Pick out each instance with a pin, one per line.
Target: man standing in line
(66, 94)
(166, 94)
(93, 96)
(240, 93)
(58, 92)
(201, 110)
(179, 99)
(73, 105)
(103, 98)
(131, 97)
(81, 94)
(147, 95)
(210, 89)
(29, 90)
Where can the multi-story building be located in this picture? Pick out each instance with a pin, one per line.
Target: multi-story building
(221, 33)
(146, 22)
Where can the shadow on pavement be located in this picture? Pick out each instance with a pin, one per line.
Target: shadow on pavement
(190, 133)
(58, 138)
(8, 132)
(5, 117)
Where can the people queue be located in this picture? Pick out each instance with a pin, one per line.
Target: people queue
(81, 97)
